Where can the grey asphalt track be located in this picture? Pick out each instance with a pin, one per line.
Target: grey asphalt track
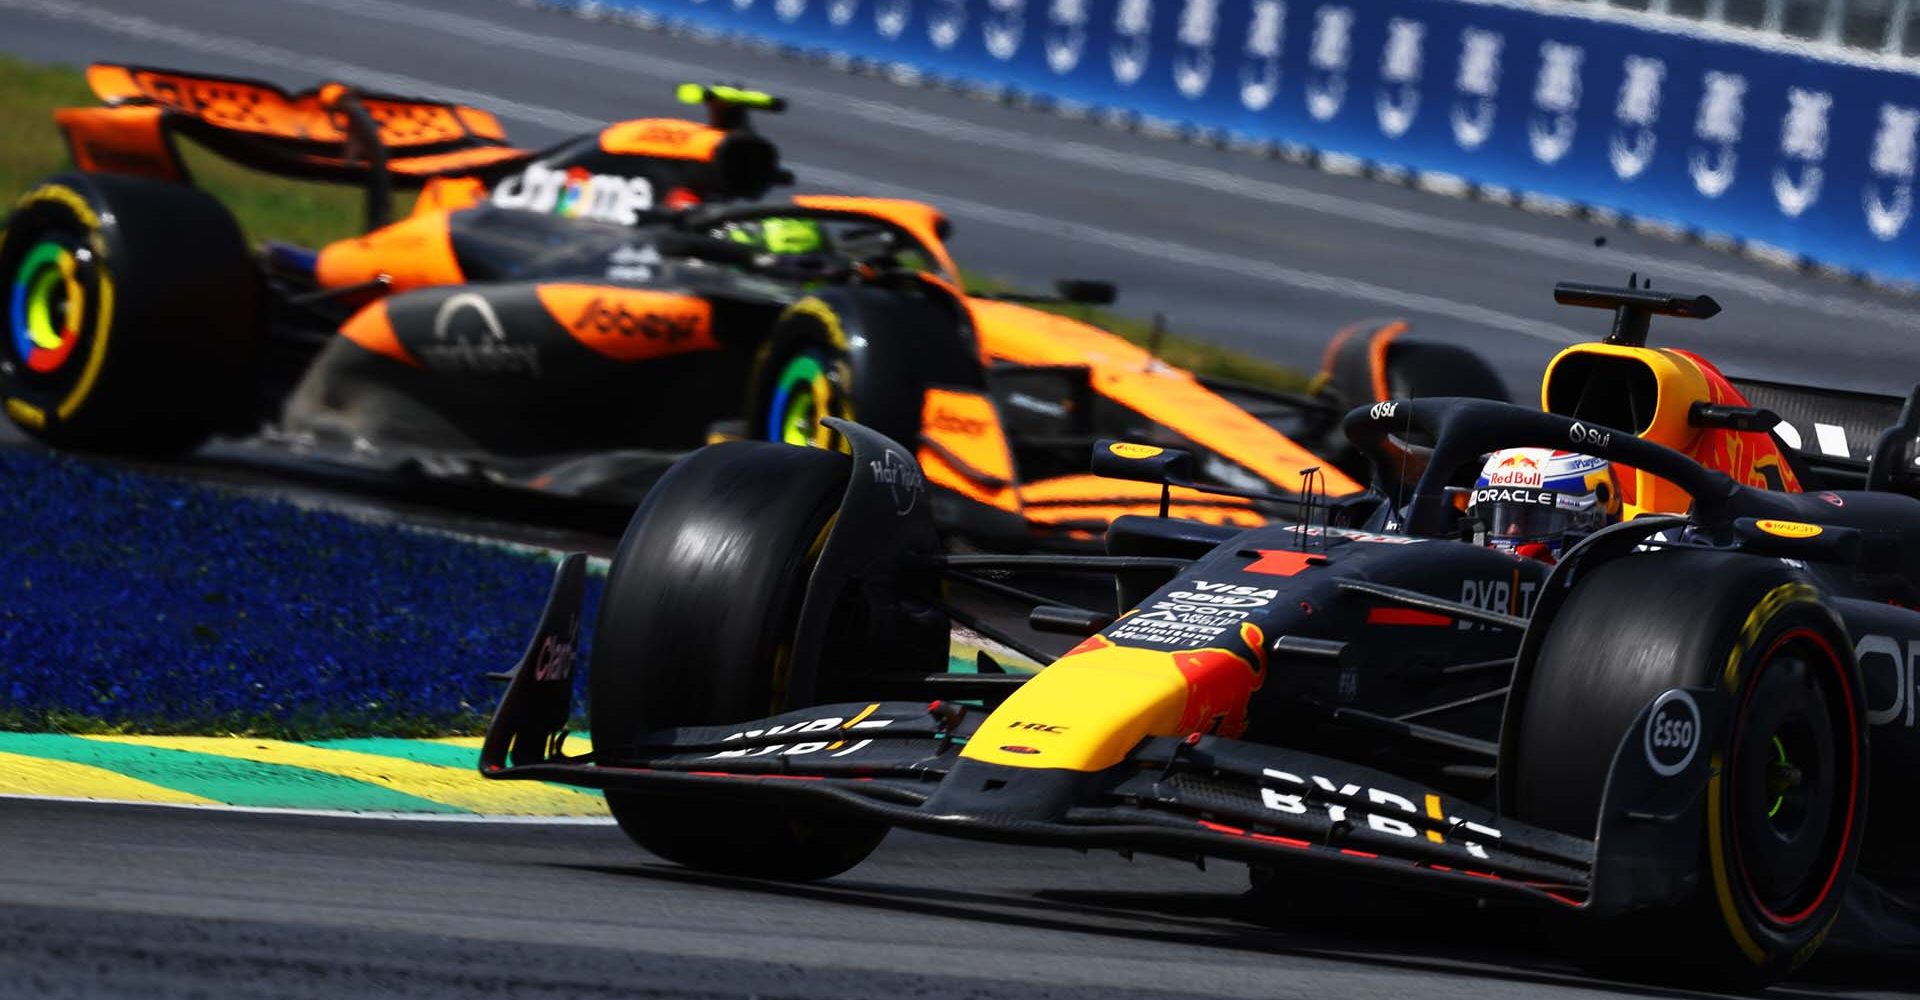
(112, 901)
(1251, 253)
(159, 903)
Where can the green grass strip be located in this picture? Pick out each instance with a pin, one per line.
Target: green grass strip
(235, 782)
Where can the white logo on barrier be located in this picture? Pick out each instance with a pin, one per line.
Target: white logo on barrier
(742, 5)
(1132, 40)
(1260, 74)
(1630, 149)
(1722, 117)
(1556, 97)
(1803, 137)
(1066, 35)
(1005, 24)
(890, 17)
(789, 10)
(1892, 164)
(1328, 57)
(945, 22)
(1398, 99)
(840, 12)
(1193, 58)
(1479, 84)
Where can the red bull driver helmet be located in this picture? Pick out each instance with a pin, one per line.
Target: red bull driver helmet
(1537, 502)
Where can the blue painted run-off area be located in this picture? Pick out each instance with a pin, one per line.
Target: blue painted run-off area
(1650, 117)
(164, 606)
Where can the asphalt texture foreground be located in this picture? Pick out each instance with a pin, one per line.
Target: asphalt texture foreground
(153, 902)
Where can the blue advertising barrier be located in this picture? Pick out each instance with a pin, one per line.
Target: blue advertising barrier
(1653, 118)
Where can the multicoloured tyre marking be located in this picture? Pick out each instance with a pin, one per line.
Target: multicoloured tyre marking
(803, 396)
(49, 304)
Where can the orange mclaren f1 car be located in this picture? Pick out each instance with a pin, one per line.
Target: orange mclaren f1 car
(569, 319)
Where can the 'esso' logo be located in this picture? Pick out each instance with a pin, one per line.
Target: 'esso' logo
(1673, 733)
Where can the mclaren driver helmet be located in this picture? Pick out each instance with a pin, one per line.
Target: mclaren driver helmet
(781, 235)
(1537, 502)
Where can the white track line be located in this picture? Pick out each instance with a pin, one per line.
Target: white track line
(148, 29)
(327, 813)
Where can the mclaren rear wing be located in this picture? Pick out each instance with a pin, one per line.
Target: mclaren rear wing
(327, 133)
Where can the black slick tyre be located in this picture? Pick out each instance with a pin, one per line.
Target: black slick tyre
(131, 315)
(695, 628)
(1785, 808)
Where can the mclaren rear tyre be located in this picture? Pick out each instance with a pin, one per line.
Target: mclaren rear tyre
(696, 627)
(1785, 805)
(132, 314)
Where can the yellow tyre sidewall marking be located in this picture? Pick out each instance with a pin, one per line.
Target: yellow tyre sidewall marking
(1769, 607)
(21, 774)
(74, 202)
(457, 787)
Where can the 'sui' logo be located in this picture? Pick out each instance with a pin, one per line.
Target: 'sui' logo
(1260, 73)
(1630, 149)
(1479, 85)
(1803, 138)
(1327, 60)
(890, 17)
(945, 23)
(1892, 166)
(1066, 34)
(1193, 55)
(1556, 99)
(1398, 100)
(1718, 125)
(1005, 25)
(1132, 40)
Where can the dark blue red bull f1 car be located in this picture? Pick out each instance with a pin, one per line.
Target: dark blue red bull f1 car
(1666, 734)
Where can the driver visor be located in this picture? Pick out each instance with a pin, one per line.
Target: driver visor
(1514, 515)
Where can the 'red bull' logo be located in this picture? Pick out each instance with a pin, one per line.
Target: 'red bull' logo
(1220, 683)
(1517, 469)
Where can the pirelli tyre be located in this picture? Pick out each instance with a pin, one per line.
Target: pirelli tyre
(131, 312)
(1785, 806)
(695, 628)
(858, 352)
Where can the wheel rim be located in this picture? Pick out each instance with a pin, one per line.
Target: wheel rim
(1794, 773)
(803, 398)
(49, 306)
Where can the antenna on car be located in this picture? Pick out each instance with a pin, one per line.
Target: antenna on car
(1634, 306)
(1310, 484)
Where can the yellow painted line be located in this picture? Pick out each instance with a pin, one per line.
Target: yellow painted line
(24, 775)
(575, 746)
(457, 787)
